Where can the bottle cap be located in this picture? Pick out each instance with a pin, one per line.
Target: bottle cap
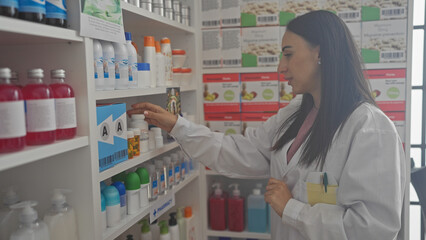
(58, 199)
(119, 177)
(11, 197)
(120, 187)
(103, 185)
(217, 190)
(157, 47)
(236, 192)
(178, 52)
(128, 36)
(130, 134)
(179, 213)
(165, 40)
(138, 117)
(143, 67)
(112, 196)
(132, 181)
(57, 73)
(145, 226)
(157, 131)
(28, 214)
(172, 220)
(5, 73)
(188, 212)
(35, 73)
(164, 228)
(143, 175)
(103, 204)
(148, 41)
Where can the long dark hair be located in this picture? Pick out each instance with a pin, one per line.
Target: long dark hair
(343, 85)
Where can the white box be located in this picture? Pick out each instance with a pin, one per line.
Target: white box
(261, 46)
(355, 29)
(230, 13)
(212, 48)
(228, 123)
(373, 10)
(259, 92)
(231, 47)
(210, 14)
(289, 9)
(384, 41)
(348, 10)
(221, 93)
(259, 13)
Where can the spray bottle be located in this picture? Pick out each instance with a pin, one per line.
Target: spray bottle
(30, 227)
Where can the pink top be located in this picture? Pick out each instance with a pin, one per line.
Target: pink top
(302, 134)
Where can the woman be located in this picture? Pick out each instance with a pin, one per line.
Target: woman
(335, 161)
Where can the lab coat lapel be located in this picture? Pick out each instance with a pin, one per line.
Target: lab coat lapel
(294, 161)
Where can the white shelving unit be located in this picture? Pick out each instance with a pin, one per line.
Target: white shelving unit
(245, 234)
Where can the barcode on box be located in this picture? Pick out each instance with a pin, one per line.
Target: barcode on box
(392, 55)
(230, 21)
(232, 62)
(267, 19)
(268, 60)
(211, 62)
(109, 160)
(393, 12)
(212, 23)
(349, 15)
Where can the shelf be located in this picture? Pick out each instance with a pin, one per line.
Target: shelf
(130, 220)
(239, 70)
(139, 18)
(34, 153)
(211, 233)
(135, 161)
(14, 32)
(137, 92)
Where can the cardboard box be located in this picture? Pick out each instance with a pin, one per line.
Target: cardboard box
(212, 48)
(285, 92)
(348, 11)
(253, 120)
(231, 47)
(398, 119)
(228, 123)
(230, 13)
(259, 13)
(384, 41)
(388, 88)
(112, 138)
(373, 10)
(261, 46)
(355, 29)
(210, 14)
(289, 9)
(259, 92)
(221, 93)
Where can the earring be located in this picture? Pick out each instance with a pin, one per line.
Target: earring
(319, 62)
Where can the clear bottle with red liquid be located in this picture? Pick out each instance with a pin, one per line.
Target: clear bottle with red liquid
(40, 109)
(235, 210)
(12, 117)
(66, 120)
(217, 209)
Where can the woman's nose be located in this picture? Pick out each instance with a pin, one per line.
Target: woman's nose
(282, 67)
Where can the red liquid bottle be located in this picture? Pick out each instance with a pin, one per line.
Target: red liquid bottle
(40, 110)
(217, 209)
(12, 117)
(66, 120)
(235, 210)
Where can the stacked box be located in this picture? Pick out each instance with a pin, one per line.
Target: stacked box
(221, 93)
(210, 14)
(348, 11)
(259, 13)
(285, 92)
(388, 88)
(384, 41)
(228, 123)
(373, 10)
(355, 29)
(253, 120)
(231, 47)
(212, 48)
(259, 92)
(398, 119)
(230, 13)
(112, 135)
(261, 46)
(290, 9)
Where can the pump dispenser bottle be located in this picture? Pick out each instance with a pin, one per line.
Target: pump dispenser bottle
(217, 209)
(164, 230)
(146, 233)
(60, 218)
(173, 227)
(235, 210)
(8, 217)
(30, 227)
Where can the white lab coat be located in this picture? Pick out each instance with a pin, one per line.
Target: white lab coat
(366, 160)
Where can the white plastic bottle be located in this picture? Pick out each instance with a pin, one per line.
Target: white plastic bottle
(155, 230)
(133, 61)
(121, 66)
(8, 216)
(169, 171)
(146, 232)
(112, 202)
(98, 65)
(109, 65)
(30, 227)
(60, 218)
(161, 65)
(133, 186)
(191, 230)
(177, 165)
(166, 50)
(181, 224)
(173, 227)
(164, 230)
(150, 57)
(153, 182)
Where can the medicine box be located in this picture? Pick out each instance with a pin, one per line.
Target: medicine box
(231, 47)
(230, 13)
(212, 48)
(228, 123)
(259, 92)
(261, 46)
(388, 88)
(289, 9)
(112, 134)
(373, 10)
(221, 93)
(348, 11)
(259, 13)
(210, 13)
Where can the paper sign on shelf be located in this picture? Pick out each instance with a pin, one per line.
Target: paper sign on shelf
(161, 206)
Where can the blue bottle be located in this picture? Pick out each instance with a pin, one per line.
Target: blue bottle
(33, 10)
(122, 191)
(257, 212)
(56, 13)
(9, 8)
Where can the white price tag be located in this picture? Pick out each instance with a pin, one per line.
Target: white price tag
(161, 205)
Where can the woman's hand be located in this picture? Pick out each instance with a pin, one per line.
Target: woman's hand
(277, 195)
(155, 115)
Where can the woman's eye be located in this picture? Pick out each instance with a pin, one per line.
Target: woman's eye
(287, 54)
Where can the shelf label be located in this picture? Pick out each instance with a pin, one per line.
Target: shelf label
(162, 205)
